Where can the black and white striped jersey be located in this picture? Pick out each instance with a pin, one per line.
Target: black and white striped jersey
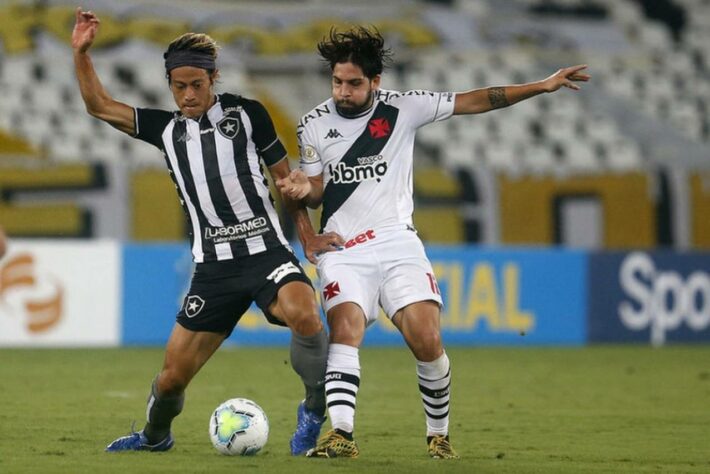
(214, 163)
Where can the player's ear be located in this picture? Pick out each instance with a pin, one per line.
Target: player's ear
(375, 81)
(214, 77)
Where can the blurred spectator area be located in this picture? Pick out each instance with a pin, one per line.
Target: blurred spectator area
(623, 163)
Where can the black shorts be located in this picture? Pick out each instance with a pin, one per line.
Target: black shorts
(221, 292)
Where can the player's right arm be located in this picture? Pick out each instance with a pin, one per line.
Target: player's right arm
(308, 189)
(305, 183)
(98, 102)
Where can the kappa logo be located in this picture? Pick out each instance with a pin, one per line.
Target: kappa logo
(333, 133)
(331, 290)
(193, 306)
(228, 127)
(379, 128)
(283, 270)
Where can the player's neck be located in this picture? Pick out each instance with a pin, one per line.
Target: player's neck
(360, 111)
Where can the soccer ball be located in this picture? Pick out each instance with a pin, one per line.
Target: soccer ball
(239, 427)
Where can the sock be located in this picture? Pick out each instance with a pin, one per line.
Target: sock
(160, 413)
(342, 380)
(434, 382)
(309, 356)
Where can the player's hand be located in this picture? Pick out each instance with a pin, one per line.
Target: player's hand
(85, 28)
(566, 78)
(321, 243)
(295, 186)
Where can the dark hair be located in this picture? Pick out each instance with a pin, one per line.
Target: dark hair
(197, 43)
(359, 45)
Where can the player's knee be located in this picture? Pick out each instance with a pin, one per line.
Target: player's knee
(304, 321)
(426, 345)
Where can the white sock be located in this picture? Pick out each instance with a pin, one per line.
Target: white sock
(434, 381)
(342, 379)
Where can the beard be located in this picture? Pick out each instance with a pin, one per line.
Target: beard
(349, 109)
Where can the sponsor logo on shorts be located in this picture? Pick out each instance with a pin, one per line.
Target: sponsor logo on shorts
(283, 270)
(361, 238)
(243, 230)
(193, 306)
(331, 290)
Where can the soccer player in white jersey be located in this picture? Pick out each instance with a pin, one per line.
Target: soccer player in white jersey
(356, 159)
(214, 145)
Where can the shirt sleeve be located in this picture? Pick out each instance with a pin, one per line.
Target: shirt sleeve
(309, 159)
(423, 107)
(150, 124)
(263, 133)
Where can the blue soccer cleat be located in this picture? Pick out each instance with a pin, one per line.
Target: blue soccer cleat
(307, 430)
(137, 441)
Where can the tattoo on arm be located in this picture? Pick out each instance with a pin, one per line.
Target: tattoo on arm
(496, 95)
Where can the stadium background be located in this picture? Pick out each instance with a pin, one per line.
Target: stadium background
(568, 219)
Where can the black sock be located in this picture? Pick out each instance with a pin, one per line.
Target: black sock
(309, 356)
(161, 412)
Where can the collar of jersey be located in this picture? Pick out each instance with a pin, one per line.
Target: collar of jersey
(213, 116)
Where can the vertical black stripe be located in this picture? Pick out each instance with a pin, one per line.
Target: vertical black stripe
(335, 194)
(183, 161)
(255, 202)
(220, 200)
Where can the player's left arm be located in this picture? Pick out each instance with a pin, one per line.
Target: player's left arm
(478, 101)
(311, 242)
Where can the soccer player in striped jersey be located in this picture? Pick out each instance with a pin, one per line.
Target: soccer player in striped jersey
(212, 146)
(357, 160)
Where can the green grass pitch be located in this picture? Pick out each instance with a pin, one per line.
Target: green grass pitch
(538, 410)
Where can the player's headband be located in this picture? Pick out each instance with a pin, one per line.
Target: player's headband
(188, 58)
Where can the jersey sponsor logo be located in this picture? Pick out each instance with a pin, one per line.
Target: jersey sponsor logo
(332, 133)
(243, 230)
(283, 270)
(193, 305)
(361, 238)
(331, 290)
(379, 128)
(370, 167)
(228, 127)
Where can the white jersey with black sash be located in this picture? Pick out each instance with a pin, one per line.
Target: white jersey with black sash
(214, 163)
(367, 161)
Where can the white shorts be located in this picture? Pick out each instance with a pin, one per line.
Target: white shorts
(383, 268)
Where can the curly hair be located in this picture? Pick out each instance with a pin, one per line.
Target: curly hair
(359, 45)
